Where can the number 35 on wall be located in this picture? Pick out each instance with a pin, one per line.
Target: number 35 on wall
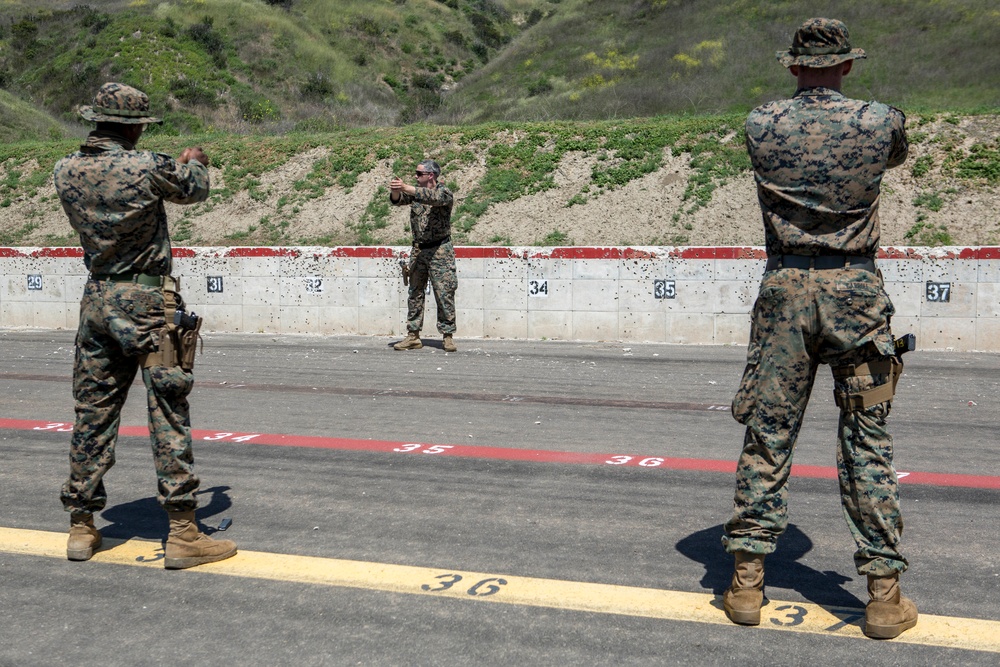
(664, 289)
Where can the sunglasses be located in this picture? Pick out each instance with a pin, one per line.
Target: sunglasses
(424, 173)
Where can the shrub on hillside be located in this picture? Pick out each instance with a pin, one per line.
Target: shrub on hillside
(191, 92)
(426, 82)
(94, 20)
(210, 39)
(255, 108)
(420, 104)
(539, 86)
(317, 84)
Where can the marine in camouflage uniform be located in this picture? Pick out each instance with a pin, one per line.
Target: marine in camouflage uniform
(113, 196)
(818, 161)
(433, 255)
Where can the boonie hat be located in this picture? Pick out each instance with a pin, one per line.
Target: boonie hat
(820, 43)
(118, 103)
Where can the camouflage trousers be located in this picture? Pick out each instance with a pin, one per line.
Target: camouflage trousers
(119, 323)
(438, 266)
(802, 319)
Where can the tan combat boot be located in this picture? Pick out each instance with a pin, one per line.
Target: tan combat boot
(411, 342)
(84, 538)
(187, 546)
(449, 344)
(888, 614)
(745, 596)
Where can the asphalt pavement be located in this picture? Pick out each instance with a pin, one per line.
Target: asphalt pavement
(516, 502)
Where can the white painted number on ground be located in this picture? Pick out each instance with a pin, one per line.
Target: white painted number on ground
(415, 446)
(232, 437)
(56, 426)
(649, 462)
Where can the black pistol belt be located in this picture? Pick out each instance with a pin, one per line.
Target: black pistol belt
(427, 245)
(139, 278)
(820, 262)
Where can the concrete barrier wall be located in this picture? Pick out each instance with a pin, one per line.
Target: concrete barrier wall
(949, 297)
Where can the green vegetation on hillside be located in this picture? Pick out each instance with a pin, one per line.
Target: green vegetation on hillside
(520, 159)
(514, 87)
(625, 152)
(317, 65)
(594, 59)
(19, 119)
(522, 163)
(251, 65)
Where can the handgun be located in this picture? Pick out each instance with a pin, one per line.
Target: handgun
(904, 344)
(405, 267)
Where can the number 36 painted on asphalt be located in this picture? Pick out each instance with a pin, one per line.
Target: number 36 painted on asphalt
(649, 462)
(481, 589)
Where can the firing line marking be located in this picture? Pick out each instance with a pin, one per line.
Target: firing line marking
(509, 453)
(943, 631)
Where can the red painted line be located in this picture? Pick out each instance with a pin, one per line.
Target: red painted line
(506, 453)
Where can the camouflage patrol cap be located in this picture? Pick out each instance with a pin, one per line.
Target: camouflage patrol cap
(820, 43)
(118, 103)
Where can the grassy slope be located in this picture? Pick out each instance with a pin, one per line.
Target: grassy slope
(241, 65)
(519, 166)
(19, 119)
(589, 59)
(597, 59)
(949, 167)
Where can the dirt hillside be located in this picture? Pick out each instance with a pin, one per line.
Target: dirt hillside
(927, 201)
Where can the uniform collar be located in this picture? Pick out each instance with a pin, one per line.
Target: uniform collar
(108, 141)
(818, 91)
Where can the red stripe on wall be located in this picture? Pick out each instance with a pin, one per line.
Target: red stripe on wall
(498, 252)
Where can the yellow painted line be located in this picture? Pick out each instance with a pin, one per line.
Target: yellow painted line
(951, 632)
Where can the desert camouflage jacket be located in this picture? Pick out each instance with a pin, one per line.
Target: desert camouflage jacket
(114, 198)
(430, 213)
(819, 159)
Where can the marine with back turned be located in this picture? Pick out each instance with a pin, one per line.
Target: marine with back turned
(132, 317)
(818, 161)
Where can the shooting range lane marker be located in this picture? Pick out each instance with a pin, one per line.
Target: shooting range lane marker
(508, 453)
(944, 631)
